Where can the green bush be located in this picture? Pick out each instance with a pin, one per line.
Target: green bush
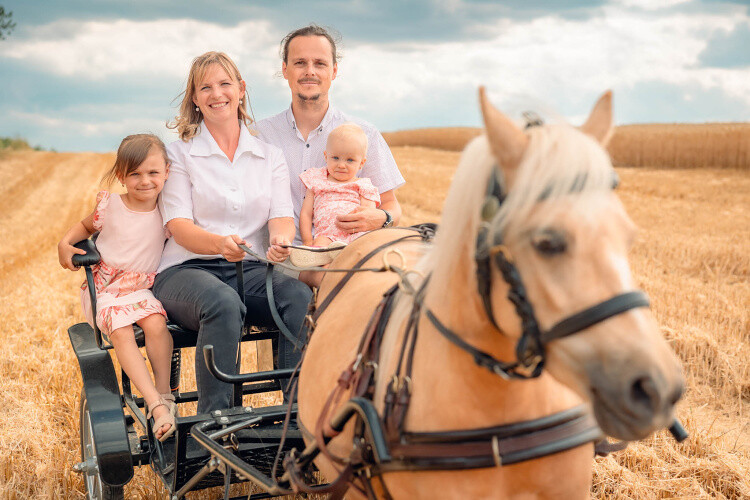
(17, 144)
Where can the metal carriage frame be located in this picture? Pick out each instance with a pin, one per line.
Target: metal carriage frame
(115, 441)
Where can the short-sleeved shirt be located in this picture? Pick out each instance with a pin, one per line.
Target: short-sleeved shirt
(281, 131)
(221, 196)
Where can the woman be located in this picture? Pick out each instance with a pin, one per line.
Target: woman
(225, 188)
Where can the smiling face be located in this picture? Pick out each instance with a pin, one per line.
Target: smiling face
(146, 182)
(345, 154)
(218, 95)
(310, 68)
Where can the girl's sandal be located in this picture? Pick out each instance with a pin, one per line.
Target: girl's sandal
(163, 420)
(170, 402)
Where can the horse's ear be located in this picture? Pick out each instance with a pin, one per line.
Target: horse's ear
(599, 124)
(507, 141)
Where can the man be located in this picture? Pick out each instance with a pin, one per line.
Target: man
(309, 64)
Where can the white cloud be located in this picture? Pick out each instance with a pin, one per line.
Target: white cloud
(551, 58)
(650, 4)
(547, 57)
(101, 49)
(68, 127)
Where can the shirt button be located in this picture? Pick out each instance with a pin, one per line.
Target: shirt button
(231, 225)
(307, 145)
(236, 207)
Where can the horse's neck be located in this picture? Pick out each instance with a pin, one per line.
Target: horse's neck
(449, 390)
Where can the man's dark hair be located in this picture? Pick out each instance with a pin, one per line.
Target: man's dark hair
(310, 30)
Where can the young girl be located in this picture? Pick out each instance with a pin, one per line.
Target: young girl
(334, 190)
(131, 239)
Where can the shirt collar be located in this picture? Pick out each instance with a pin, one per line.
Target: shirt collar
(205, 145)
(330, 113)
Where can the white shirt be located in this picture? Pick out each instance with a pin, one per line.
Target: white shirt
(221, 196)
(281, 131)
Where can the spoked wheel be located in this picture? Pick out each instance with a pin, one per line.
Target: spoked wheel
(96, 489)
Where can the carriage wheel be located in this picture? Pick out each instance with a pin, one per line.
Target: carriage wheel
(96, 489)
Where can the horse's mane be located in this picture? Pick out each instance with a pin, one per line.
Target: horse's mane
(559, 159)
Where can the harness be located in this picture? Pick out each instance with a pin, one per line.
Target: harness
(382, 444)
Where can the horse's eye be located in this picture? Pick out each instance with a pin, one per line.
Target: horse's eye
(549, 242)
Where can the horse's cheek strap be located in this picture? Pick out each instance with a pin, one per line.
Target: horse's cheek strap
(596, 314)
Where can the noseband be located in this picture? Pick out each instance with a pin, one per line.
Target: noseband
(530, 349)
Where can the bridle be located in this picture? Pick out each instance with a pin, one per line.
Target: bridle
(531, 346)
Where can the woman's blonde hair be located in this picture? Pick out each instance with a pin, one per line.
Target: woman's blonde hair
(188, 120)
(133, 151)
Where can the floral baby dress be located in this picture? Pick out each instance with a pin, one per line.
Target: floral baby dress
(130, 244)
(336, 198)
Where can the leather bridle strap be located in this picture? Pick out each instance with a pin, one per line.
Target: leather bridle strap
(481, 358)
(596, 314)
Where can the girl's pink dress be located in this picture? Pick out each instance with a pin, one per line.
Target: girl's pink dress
(130, 244)
(335, 198)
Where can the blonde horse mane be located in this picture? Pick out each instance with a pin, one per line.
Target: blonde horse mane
(559, 159)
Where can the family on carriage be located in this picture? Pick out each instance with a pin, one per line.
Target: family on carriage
(528, 265)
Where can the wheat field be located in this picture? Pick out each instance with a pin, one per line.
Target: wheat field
(691, 257)
(713, 145)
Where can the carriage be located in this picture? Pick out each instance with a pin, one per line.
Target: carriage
(423, 403)
(115, 436)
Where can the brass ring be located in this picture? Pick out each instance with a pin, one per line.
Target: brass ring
(396, 251)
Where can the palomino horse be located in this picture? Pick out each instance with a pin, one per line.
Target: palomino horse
(558, 220)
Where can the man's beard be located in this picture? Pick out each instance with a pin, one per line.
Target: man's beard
(312, 98)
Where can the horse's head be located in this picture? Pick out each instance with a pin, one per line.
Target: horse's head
(559, 222)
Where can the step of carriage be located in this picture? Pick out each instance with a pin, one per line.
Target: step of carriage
(256, 446)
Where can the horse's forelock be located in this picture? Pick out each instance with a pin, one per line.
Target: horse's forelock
(559, 160)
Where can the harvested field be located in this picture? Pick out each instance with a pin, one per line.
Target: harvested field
(691, 256)
(714, 145)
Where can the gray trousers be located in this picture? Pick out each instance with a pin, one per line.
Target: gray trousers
(201, 295)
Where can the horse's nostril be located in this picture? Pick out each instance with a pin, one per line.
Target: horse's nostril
(643, 394)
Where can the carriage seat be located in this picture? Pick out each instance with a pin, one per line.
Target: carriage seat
(181, 337)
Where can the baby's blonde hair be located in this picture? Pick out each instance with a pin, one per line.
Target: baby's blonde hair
(350, 130)
(133, 151)
(188, 120)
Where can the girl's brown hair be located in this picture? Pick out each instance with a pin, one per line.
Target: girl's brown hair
(188, 120)
(133, 151)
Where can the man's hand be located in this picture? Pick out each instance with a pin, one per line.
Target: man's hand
(230, 249)
(361, 219)
(277, 253)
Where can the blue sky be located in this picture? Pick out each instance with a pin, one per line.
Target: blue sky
(80, 75)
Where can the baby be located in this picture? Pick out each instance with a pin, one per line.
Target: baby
(334, 190)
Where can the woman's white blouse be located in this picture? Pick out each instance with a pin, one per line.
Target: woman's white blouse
(221, 196)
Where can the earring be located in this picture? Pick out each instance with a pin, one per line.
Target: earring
(240, 101)
(198, 109)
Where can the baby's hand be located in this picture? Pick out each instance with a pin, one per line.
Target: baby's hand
(278, 253)
(65, 253)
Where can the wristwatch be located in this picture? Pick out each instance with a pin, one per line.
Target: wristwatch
(388, 219)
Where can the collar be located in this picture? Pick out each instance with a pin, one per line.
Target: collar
(330, 114)
(204, 144)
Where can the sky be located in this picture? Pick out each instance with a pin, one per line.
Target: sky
(80, 75)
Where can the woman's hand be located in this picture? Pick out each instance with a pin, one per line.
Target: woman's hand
(277, 253)
(65, 253)
(230, 249)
